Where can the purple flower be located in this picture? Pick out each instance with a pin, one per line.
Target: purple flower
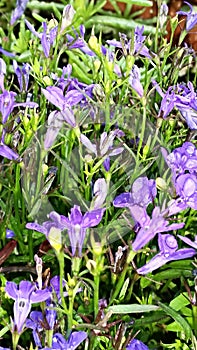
(189, 241)
(191, 17)
(18, 11)
(35, 322)
(6, 53)
(78, 42)
(22, 75)
(182, 159)
(7, 104)
(77, 225)
(136, 344)
(60, 343)
(134, 80)
(9, 233)
(126, 44)
(163, 12)
(143, 192)
(184, 98)
(47, 37)
(7, 152)
(55, 287)
(67, 17)
(151, 227)
(186, 188)
(24, 295)
(168, 252)
(105, 146)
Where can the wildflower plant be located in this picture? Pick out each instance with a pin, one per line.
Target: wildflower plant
(98, 178)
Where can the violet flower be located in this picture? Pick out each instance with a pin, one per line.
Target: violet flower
(76, 224)
(74, 340)
(134, 80)
(168, 252)
(9, 233)
(142, 194)
(136, 344)
(18, 11)
(7, 104)
(191, 17)
(78, 42)
(67, 17)
(105, 146)
(35, 322)
(7, 152)
(126, 44)
(22, 75)
(189, 241)
(151, 227)
(182, 97)
(24, 295)
(6, 53)
(47, 37)
(186, 188)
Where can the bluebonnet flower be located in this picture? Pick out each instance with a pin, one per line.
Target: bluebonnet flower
(2, 73)
(134, 80)
(74, 340)
(105, 147)
(22, 75)
(18, 11)
(47, 37)
(182, 97)
(142, 194)
(191, 17)
(136, 344)
(24, 295)
(168, 252)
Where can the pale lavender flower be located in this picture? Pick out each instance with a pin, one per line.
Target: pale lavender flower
(163, 12)
(105, 147)
(47, 37)
(136, 344)
(168, 252)
(134, 80)
(152, 226)
(100, 193)
(191, 17)
(24, 295)
(67, 17)
(18, 11)
(2, 73)
(55, 122)
(7, 104)
(22, 75)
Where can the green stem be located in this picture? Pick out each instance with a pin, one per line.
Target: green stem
(194, 316)
(60, 257)
(15, 339)
(96, 295)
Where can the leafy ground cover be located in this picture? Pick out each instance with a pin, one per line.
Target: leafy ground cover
(98, 177)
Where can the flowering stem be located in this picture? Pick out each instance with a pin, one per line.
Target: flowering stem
(15, 339)
(60, 257)
(194, 316)
(96, 294)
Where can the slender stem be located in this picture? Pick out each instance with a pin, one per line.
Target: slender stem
(60, 257)
(194, 316)
(96, 294)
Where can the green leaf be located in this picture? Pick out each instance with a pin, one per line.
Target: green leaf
(117, 22)
(138, 2)
(132, 308)
(178, 319)
(179, 302)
